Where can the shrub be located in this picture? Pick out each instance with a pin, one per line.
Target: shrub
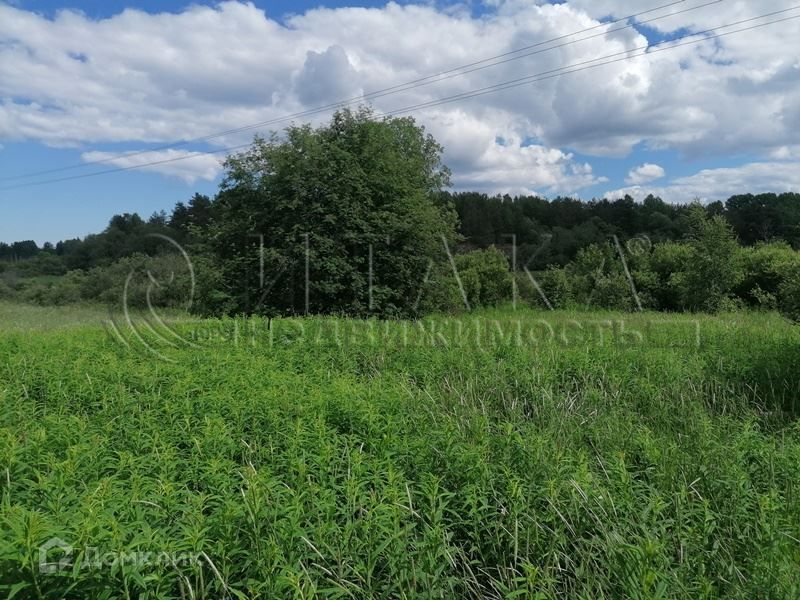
(6, 291)
(766, 267)
(439, 292)
(598, 278)
(612, 291)
(668, 262)
(485, 277)
(789, 295)
(68, 289)
(553, 291)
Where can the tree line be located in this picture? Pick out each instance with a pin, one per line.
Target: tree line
(546, 231)
(354, 217)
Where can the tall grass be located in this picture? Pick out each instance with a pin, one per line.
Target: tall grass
(600, 456)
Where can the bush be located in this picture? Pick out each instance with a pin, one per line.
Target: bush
(556, 285)
(136, 281)
(68, 290)
(553, 291)
(613, 291)
(6, 291)
(43, 264)
(210, 296)
(485, 277)
(668, 262)
(140, 281)
(766, 267)
(789, 295)
(597, 278)
(440, 292)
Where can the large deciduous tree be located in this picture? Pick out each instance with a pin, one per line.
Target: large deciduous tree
(344, 218)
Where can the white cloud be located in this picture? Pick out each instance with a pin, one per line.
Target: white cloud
(644, 174)
(719, 184)
(138, 77)
(488, 155)
(326, 75)
(186, 165)
(786, 153)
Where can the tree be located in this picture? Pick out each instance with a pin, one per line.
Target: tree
(197, 215)
(22, 250)
(764, 217)
(345, 218)
(716, 262)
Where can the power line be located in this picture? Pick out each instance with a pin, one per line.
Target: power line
(402, 87)
(582, 66)
(128, 168)
(466, 71)
(529, 79)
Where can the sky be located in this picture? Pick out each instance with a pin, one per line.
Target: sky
(94, 86)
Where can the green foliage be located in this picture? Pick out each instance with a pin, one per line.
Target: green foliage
(137, 281)
(6, 291)
(194, 217)
(349, 159)
(485, 276)
(597, 278)
(354, 205)
(556, 285)
(422, 463)
(480, 278)
(715, 267)
(42, 264)
(789, 295)
(766, 268)
(765, 217)
(668, 262)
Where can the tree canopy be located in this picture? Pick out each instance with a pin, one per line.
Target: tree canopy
(343, 218)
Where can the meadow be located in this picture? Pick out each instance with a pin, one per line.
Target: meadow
(500, 454)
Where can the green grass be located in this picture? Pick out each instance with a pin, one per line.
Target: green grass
(598, 455)
(29, 317)
(25, 317)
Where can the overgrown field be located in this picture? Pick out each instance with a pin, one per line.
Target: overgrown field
(509, 454)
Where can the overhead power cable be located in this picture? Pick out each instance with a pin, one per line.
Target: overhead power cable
(458, 71)
(514, 83)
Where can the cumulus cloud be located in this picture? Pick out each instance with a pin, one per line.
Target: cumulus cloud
(326, 75)
(488, 155)
(183, 164)
(644, 174)
(719, 184)
(786, 153)
(71, 80)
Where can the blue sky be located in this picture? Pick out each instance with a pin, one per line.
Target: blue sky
(702, 121)
(107, 8)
